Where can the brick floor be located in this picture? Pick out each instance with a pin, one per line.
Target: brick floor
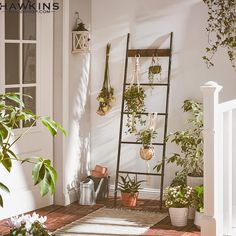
(59, 216)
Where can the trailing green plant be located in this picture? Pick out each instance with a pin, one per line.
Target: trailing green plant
(178, 196)
(128, 185)
(10, 116)
(221, 29)
(198, 198)
(190, 142)
(145, 136)
(134, 97)
(106, 95)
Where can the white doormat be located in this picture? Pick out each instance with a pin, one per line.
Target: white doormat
(108, 221)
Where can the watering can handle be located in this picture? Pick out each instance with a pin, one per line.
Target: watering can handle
(98, 188)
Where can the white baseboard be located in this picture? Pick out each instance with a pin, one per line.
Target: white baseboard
(145, 193)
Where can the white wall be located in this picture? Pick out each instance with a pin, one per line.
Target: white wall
(149, 23)
(71, 102)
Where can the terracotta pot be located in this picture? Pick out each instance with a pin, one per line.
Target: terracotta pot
(128, 199)
(146, 153)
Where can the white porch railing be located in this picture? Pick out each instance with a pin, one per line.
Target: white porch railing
(217, 219)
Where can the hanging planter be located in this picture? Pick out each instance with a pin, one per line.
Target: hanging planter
(134, 97)
(154, 70)
(106, 95)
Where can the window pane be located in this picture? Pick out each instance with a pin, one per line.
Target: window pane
(12, 103)
(29, 63)
(12, 21)
(29, 23)
(30, 103)
(12, 63)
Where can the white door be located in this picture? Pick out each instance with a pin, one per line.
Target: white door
(26, 62)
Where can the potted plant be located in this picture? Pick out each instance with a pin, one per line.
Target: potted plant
(190, 142)
(129, 190)
(146, 136)
(178, 199)
(198, 201)
(134, 97)
(10, 115)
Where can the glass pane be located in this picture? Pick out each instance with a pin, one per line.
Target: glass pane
(12, 103)
(12, 63)
(29, 63)
(29, 23)
(30, 103)
(12, 21)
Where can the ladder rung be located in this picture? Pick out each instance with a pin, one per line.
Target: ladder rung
(147, 84)
(138, 173)
(149, 52)
(143, 113)
(129, 142)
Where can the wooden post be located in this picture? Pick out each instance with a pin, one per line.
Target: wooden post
(227, 170)
(211, 225)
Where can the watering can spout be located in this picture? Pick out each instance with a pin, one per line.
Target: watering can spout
(98, 188)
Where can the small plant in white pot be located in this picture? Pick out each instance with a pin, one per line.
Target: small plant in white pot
(198, 204)
(178, 199)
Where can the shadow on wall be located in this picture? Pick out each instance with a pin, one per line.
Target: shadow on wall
(78, 153)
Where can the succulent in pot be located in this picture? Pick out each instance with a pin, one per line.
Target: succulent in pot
(129, 190)
(178, 199)
(146, 136)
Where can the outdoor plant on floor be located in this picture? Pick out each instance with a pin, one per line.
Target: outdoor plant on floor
(178, 199)
(129, 190)
(28, 225)
(10, 115)
(198, 201)
(221, 29)
(190, 142)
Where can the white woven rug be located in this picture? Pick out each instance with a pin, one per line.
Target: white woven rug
(106, 221)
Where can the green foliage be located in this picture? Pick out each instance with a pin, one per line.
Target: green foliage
(190, 142)
(221, 29)
(146, 136)
(10, 116)
(134, 103)
(179, 179)
(178, 196)
(128, 185)
(198, 198)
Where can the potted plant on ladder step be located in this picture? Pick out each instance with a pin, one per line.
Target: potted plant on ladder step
(129, 190)
(178, 199)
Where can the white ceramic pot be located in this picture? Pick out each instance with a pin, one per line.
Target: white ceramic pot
(178, 216)
(198, 219)
(194, 181)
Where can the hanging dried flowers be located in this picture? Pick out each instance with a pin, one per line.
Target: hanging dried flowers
(134, 97)
(106, 95)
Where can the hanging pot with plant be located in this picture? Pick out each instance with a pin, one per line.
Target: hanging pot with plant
(106, 95)
(134, 97)
(221, 29)
(154, 70)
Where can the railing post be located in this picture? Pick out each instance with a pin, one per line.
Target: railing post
(211, 225)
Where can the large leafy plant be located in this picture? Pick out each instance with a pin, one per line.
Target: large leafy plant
(12, 111)
(128, 185)
(221, 29)
(134, 104)
(190, 142)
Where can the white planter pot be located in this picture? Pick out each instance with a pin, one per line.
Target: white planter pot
(178, 216)
(194, 181)
(198, 219)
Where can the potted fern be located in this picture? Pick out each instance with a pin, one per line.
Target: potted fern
(129, 190)
(146, 136)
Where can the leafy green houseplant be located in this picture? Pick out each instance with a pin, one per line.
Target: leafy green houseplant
(129, 190)
(10, 116)
(146, 136)
(134, 104)
(221, 29)
(190, 142)
(198, 202)
(178, 199)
